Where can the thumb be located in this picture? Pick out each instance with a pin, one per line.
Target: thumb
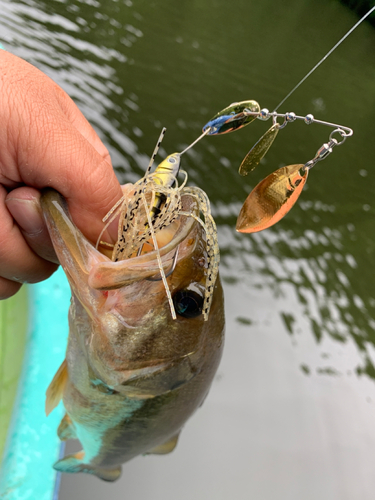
(24, 205)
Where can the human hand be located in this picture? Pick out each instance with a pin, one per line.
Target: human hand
(45, 141)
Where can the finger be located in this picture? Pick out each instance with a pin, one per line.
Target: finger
(77, 119)
(24, 205)
(8, 288)
(44, 148)
(66, 161)
(17, 261)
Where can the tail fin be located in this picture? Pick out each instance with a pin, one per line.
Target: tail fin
(74, 463)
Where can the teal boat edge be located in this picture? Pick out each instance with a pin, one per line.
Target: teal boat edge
(32, 444)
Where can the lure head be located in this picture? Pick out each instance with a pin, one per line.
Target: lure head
(232, 118)
(167, 171)
(165, 175)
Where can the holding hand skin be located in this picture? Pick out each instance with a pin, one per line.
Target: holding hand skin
(45, 141)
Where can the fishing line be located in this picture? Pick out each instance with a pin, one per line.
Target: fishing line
(325, 57)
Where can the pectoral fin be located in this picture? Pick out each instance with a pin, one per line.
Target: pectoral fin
(166, 447)
(74, 463)
(56, 388)
(66, 429)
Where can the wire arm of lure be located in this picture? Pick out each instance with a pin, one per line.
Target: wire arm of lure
(290, 117)
(196, 140)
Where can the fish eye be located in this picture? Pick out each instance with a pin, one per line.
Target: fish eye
(188, 304)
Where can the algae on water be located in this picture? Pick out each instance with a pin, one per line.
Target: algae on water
(13, 330)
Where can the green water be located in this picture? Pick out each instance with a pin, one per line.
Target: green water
(13, 329)
(292, 411)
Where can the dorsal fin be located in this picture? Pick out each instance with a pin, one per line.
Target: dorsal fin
(56, 388)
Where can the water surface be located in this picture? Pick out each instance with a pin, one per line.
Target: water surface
(292, 410)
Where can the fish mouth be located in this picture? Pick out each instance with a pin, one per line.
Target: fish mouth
(90, 265)
(146, 358)
(109, 275)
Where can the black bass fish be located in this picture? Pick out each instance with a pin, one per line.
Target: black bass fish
(132, 375)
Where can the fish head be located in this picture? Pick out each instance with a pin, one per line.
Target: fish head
(121, 322)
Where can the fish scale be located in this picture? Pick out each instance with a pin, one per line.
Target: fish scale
(132, 375)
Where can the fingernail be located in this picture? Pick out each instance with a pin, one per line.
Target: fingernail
(27, 214)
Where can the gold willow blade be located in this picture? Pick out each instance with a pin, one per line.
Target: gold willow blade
(232, 118)
(271, 199)
(259, 150)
